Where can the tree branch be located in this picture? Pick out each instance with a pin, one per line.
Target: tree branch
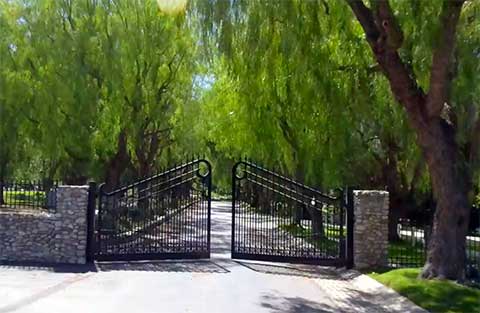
(172, 72)
(158, 131)
(365, 143)
(417, 174)
(442, 57)
(384, 46)
(374, 68)
(365, 17)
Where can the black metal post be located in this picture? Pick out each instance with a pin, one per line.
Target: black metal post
(350, 222)
(2, 201)
(209, 223)
(92, 196)
(234, 173)
(343, 209)
(2, 182)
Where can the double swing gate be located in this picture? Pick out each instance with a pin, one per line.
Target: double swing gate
(274, 218)
(278, 219)
(165, 216)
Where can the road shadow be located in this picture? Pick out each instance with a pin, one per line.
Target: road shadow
(281, 304)
(182, 266)
(299, 270)
(49, 267)
(341, 300)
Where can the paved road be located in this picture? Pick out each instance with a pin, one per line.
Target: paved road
(219, 285)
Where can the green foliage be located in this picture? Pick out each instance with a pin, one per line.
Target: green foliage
(296, 87)
(289, 83)
(75, 74)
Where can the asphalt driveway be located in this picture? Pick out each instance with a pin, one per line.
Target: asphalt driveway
(217, 285)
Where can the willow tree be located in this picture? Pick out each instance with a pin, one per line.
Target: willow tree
(290, 96)
(14, 85)
(145, 71)
(274, 49)
(58, 101)
(433, 112)
(98, 83)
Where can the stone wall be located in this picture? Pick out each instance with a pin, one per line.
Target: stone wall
(58, 237)
(370, 235)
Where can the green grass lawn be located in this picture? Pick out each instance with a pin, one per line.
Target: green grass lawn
(402, 252)
(221, 196)
(328, 243)
(24, 197)
(473, 245)
(432, 295)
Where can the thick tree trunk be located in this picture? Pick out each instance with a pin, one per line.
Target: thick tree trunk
(446, 252)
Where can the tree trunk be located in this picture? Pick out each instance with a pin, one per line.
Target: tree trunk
(2, 182)
(393, 217)
(117, 164)
(144, 188)
(73, 178)
(317, 223)
(2, 201)
(446, 252)
(299, 208)
(391, 177)
(3, 172)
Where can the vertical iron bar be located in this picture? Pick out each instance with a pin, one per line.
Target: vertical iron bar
(92, 195)
(275, 232)
(343, 247)
(98, 244)
(234, 176)
(350, 222)
(209, 212)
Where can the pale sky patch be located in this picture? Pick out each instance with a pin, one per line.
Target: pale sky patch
(172, 6)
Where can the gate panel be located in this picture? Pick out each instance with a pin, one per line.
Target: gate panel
(165, 216)
(278, 219)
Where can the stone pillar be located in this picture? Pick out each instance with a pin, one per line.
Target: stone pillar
(71, 224)
(370, 231)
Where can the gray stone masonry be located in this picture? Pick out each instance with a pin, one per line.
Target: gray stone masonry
(370, 233)
(59, 237)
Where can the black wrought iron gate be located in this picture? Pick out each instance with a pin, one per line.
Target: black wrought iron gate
(278, 219)
(163, 216)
